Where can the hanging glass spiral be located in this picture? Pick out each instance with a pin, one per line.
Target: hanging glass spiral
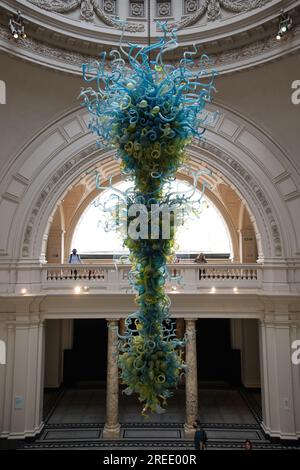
(149, 111)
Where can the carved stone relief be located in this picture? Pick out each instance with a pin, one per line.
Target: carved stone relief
(88, 10)
(137, 8)
(195, 9)
(163, 8)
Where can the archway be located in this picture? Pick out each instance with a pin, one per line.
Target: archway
(92, 238)
(45, 170)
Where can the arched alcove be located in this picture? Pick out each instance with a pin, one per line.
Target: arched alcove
(43, 172)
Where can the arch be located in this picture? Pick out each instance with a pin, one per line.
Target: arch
(249, 160)
(218, 206)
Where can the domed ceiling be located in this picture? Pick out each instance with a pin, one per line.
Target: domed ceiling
(236, 33)
(183, 13)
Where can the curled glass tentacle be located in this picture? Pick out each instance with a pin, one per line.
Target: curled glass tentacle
(149, 112)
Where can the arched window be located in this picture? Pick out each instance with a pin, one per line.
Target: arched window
(206, 232)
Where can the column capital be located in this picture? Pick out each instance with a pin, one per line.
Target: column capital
(277, 320)
(191, 321)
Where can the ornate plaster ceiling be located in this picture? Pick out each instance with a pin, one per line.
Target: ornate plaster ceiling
(64, 33)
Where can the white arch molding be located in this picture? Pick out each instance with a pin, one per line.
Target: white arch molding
(219, 207)
(44, 170)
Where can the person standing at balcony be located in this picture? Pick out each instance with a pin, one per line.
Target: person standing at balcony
(74, 259)
(200, 259)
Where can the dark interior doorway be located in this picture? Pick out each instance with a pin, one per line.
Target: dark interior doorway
(88, 358)
(217, 361)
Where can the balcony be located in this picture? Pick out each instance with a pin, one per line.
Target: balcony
(188, 278)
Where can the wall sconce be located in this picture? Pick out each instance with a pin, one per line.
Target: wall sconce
(285, 24)
(16, 26)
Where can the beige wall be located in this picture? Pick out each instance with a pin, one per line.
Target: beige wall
(35, 96)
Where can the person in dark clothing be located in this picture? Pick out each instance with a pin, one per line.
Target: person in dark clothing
(74, 259)
(248, 445)
(200, 436)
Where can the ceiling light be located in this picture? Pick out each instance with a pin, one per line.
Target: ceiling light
(16, 26)
(213, 290)
(77, 289)
(24, 291)
(285, 24)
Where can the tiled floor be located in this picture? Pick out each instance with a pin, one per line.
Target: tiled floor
(215, 406)
(229, 416)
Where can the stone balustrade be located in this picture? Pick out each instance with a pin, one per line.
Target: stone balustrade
(184, 277)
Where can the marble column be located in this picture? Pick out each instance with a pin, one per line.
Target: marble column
(191, 380)
(112, 426)
(180, 328)
(122, 326)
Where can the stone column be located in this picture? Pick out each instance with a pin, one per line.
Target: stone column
(112, 426)
(122, 326)
(191, 380)
(280, 403)
(180, 328)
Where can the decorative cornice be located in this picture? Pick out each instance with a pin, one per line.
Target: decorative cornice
(213, 8)
(88, 8)
(229, 61)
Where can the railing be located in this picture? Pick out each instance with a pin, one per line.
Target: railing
(186, 277)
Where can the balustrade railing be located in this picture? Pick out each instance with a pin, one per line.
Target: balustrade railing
(187, 277)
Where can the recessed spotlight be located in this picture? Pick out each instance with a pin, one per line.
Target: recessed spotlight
(16, 26)
(235, 289)
(213, 290)
(285, 24)
(77, 290)
(23, 291)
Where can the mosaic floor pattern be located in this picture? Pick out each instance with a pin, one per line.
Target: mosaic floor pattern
(74, 419)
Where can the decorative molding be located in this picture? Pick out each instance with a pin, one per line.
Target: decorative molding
(137, 8)
(252, 50)
(163, 8)
(213, 8)
(87, 11)
(252, 183)
(231, 60)
(59, 176)
(198, 8)
(88, 8)
(110, 6)
(70, 167)
(190, 6)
